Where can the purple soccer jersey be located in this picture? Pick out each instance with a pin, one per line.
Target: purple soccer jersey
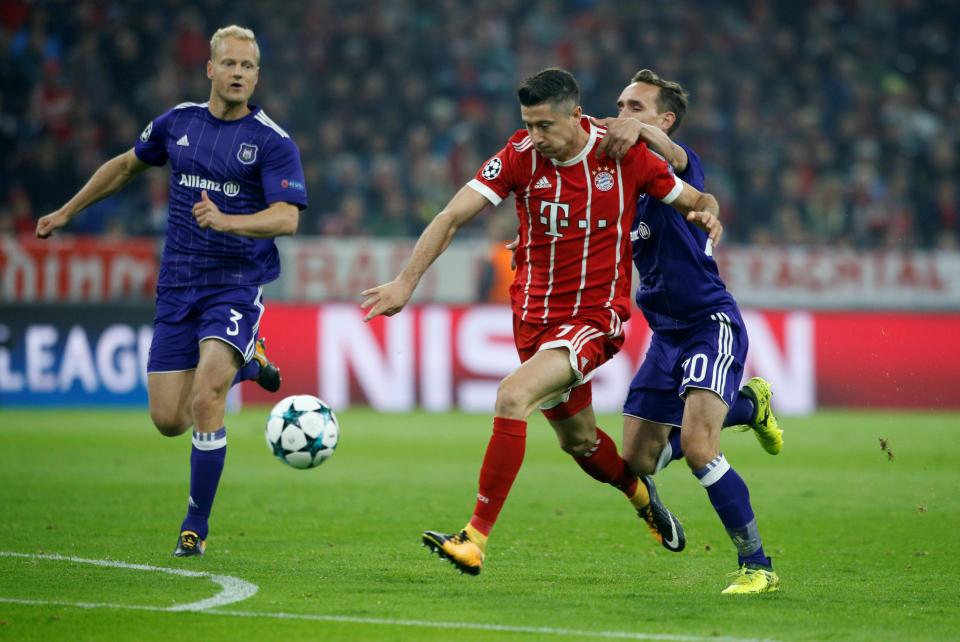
(699, 338)
(244, 165)
(679, 281)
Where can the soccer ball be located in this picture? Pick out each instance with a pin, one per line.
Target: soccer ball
(302, 431)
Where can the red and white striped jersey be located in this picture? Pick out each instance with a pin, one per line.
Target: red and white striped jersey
(575, 218)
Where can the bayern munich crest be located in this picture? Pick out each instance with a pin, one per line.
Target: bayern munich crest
(603, 181)
(492, 169)
(247, 153)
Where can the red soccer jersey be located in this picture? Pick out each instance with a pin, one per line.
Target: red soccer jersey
(575, 219)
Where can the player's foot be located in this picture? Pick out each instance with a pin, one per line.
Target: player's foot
(269, 377)
(664, 527)
(459, 550)
(749, 579)
(189, 544)
(764, 424)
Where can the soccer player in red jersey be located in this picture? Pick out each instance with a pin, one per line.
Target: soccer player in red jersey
(570, 295)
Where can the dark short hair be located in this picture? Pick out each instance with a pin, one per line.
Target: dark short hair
(552, 85)
(671, 96)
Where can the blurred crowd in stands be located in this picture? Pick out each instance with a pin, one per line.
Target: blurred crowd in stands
(820, 122)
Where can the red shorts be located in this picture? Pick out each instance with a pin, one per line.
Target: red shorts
(590, 339)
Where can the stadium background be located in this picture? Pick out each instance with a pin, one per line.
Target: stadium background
(829, 131)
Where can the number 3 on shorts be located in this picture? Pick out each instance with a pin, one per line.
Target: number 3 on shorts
(234, 317)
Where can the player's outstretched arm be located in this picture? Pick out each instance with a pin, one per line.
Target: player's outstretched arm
(624, 133)
(390, 298)
(279, 219)
(109, 179)
(701, 209)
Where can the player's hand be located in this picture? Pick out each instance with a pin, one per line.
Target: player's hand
(622, 134)
(209, 215)
(386, 299)
(709, 223)
(512, 246)
(53, 221)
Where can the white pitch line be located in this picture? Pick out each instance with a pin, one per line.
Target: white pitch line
(232, 589)
(235, 589)
(475, 626)
(472, 626)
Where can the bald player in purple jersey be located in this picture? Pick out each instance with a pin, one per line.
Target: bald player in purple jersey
(686, 390)
(236, 182)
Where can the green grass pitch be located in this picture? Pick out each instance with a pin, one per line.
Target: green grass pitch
(866, 546)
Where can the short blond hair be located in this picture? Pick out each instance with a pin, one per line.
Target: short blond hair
(233, 31)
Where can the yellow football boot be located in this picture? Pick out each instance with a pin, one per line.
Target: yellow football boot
(464, 550)
(765, 426)
(752, 580)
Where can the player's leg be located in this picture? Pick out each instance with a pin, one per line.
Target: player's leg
(652, 409)
(172, 362)
(596, 453)
(755, 396)
(259, 368)
(643, 443)
(170, 399)
(653, 445)
(726, 489)
(712, 368)
(544, 376)
(214, 376)
(226, 330)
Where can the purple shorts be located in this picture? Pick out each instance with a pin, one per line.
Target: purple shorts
(186, 316)
(709, 355)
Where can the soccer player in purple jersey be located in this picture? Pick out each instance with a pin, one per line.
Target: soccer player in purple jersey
(685, 391)
(236, 182)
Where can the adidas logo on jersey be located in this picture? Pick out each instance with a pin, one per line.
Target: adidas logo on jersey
(543, 183)
(184, 141)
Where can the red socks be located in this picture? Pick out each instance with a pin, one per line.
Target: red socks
(501, 463)
(503, 458)
(604, 464)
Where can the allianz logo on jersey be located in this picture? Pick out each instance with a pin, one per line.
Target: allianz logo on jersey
(230, 188)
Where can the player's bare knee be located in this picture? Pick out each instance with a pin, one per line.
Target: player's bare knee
(207, 400)
(169, 424)
(699, 455)
(511, 402)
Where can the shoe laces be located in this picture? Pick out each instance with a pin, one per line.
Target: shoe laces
(460, 538)
(188, 540)
(646, 514)
(743, 574)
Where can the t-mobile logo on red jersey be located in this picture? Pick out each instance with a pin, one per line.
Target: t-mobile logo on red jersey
(554, 217)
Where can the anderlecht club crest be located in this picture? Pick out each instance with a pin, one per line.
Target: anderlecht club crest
(247, 153)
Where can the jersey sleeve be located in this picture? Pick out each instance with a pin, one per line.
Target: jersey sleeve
(693, 173)
(151, 147)
(654, 175)
(502, 173)
(281, 174)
